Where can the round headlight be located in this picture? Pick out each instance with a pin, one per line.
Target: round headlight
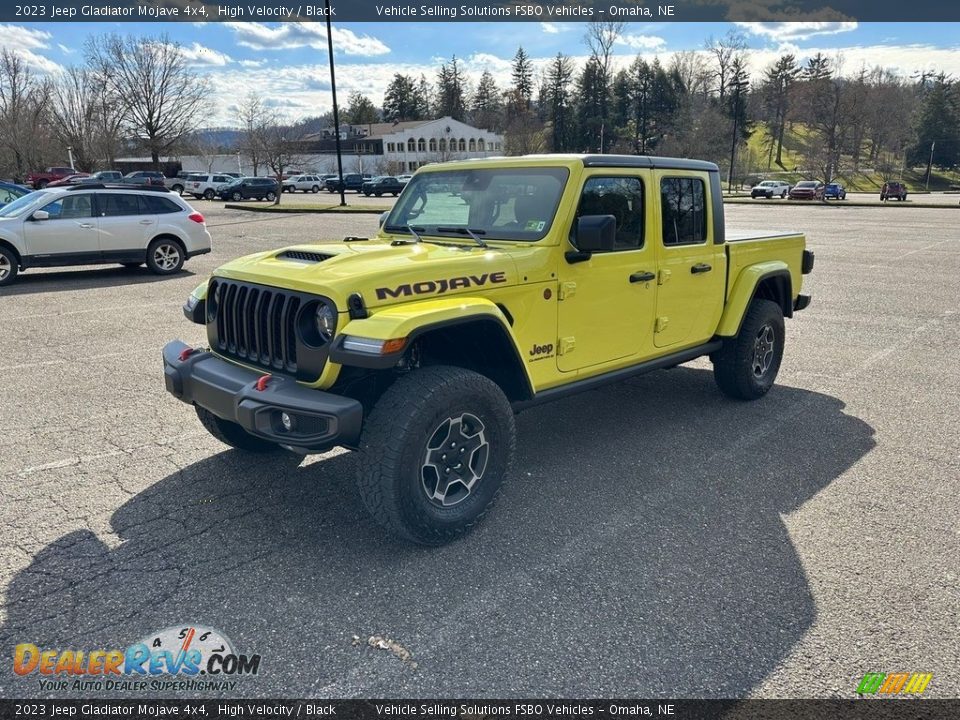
(326, 321)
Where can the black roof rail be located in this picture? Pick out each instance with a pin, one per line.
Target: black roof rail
(117, 186)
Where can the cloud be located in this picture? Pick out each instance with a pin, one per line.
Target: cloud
(552, 28)
(253, 63)
(64, 49)
(201, 55)
(642, 42)
(296, 35)
(23, 41)
(787, 31)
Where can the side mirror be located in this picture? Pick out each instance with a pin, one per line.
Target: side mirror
(596, 233)
(383, 217)
(40, 215)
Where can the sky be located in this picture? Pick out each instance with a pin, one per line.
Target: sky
(286, 63)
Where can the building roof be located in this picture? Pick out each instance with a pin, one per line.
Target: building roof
(374, 130)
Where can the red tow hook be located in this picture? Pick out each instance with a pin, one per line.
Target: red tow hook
(262, 383)
(186, 352)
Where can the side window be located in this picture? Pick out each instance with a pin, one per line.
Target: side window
(70, 207)
(621, 197)
(220, 179)
(684, 211)
(117, 205)
(156, 205)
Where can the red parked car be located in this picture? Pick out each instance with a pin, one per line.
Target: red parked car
(39, 180)
(892, 190)
(807, 190)
(69, 180)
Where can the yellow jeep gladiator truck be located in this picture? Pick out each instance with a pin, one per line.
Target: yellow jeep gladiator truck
(491, 286)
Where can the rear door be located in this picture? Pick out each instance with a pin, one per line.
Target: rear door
(124, 229)
(69, 232)
(692, 267)
(607, 302)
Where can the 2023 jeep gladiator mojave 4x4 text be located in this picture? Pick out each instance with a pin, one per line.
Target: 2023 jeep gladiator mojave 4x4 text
(491, 285)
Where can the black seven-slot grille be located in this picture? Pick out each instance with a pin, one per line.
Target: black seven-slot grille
(258, 325)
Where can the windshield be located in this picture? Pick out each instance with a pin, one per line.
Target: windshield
(806, 184)
(23, 203)
(498, 203)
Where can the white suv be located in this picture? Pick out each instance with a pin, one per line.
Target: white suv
(205, 186)
(307, 183)
(97, 224)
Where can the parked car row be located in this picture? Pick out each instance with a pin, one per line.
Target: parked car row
(816, 190)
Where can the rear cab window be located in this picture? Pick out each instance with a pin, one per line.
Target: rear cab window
(683, 202)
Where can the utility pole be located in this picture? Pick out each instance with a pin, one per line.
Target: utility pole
(336, 112)
(933, 144)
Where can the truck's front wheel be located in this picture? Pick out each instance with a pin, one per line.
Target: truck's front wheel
(229, 433)
(434, 453)
(747, 365)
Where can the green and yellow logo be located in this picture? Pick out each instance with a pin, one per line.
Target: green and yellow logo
(894, 683)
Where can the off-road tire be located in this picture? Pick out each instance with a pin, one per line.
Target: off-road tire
(734, 367)
(9, 266)
(229, 433)
(394, 452)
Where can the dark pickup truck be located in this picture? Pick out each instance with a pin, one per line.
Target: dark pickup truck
(382, 186)
(353, 182)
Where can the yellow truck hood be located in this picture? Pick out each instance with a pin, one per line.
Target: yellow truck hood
(382, 273)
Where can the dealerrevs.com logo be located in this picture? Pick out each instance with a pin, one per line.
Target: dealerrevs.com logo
(188, 657)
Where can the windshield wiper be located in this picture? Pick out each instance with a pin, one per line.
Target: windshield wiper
(474, 234)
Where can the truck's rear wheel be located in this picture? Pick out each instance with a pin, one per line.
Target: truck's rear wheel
(229, 433)
(746, 366)
(434, 453)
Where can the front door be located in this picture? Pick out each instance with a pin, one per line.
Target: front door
(68, 235)
(692, 268)
(607, 302)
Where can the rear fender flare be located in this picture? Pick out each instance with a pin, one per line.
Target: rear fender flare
(745, 289)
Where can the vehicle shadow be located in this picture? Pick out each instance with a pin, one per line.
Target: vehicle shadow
(640, 550)
(39, 280)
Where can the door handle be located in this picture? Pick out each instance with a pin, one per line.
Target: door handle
(85, 225)
(642, 276)
(146, 222)
(701, 268)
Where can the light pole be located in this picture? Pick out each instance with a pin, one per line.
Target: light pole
(70, 153)
(933, 144)
(336, 112)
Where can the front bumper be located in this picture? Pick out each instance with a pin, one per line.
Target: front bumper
(321, 420)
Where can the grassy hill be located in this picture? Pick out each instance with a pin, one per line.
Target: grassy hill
(866, 179)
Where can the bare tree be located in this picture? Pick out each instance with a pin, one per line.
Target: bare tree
(600, 37)
(162, 100)
(725, 51)
(254, 119)
(281, 145)
(25, 140)
(76, 113)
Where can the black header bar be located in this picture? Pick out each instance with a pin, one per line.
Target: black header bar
(478, 10)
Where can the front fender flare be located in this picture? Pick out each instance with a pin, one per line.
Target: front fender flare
(411, 320)
(743, 291)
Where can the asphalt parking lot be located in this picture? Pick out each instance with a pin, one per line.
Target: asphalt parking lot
(656, 539)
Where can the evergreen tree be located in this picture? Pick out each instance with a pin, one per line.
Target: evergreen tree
(486, 107)
(938, 127)
(522, 76)
(779, 81)
(451, 91)
(401, 101)
(360, 110)
(591, 107)
(738, 87)
(558, 103)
